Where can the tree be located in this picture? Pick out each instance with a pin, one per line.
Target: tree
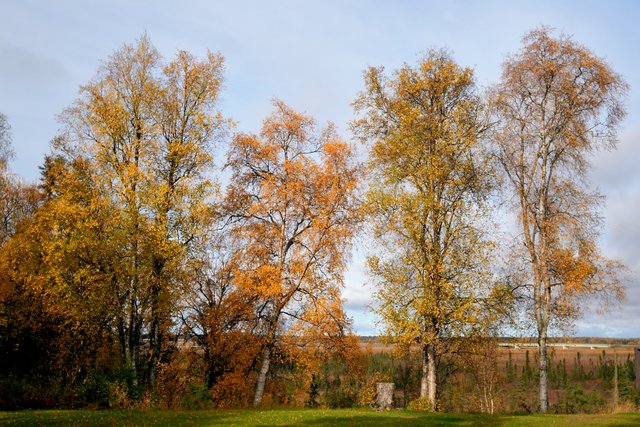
(556, 104)
(57, 273)
(291, 200)
(145, 129)
(6, 151)
(218, 316)
(19, 335)
(126, 201)
(17, 199)
(429, 178)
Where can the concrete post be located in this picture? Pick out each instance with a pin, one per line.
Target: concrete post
(384, 395)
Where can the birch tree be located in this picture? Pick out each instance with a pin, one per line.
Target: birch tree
(145, 128)
(292, 203)
(556, 104)
(428, 180)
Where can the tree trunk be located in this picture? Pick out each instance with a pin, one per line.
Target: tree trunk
(122, 340)
(156, 347)
(262, 376)
(133, 341)
(428, 384)
(431, 368)
(424, 381)
(544, 386)
(155, 335)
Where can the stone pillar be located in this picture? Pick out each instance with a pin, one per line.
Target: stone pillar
(636, 366)
(384, 395)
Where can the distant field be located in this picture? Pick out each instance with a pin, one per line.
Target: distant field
(291, 417)
(588, 355)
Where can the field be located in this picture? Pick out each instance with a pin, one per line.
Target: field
(581, 372)
(588, 356)
(591, 348)
(291, 417)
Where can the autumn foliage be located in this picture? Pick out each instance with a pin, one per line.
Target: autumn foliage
(555, 104)
(149, 269)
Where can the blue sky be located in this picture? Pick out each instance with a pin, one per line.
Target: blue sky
(311, 55)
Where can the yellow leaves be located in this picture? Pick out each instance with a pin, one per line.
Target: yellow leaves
(424, 126)
(422, 122)
(127, 201)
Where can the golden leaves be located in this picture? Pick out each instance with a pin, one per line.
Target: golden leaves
(423, 125)
(127, 198)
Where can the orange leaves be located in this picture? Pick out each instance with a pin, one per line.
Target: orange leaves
(559, 90)
(293, 194)
(294, 206)
(232, 390)
(576, 270)
(557, 102)
(265, 281)
(333, 146)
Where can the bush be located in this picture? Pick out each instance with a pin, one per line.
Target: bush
(198, 396)
(118, 395)
(94, 390)
(578, 401)
(421, 404)
(233, 390)
(340, 398)
(11, 393)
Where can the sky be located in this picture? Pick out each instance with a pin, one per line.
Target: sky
(311, 54)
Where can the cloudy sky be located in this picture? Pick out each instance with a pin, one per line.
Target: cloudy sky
(311, 54)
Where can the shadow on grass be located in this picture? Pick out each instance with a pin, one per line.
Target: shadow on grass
(405, 420)
(110, 418)
(290, 418)
(633, 420)
(238, 418)
(358, 418)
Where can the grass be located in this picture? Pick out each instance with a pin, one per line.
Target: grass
(293, 417)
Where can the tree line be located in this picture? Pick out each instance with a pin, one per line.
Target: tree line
(130, 260)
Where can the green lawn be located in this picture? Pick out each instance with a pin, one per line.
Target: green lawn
(313, 417)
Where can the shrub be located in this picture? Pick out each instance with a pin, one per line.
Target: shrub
(341, 398)
(233, 390)
(421, 404)
(578, 401)
(118, 395)
(94, 390)
(198, 396)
